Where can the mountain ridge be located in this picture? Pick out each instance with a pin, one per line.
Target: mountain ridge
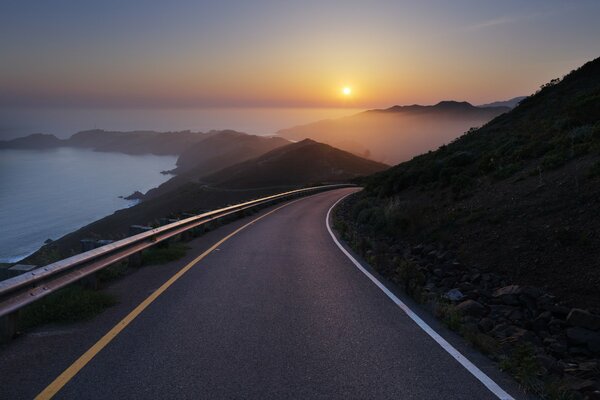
(396, 133)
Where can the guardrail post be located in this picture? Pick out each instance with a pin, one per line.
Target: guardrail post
(135, 260)
(8, 326)
(187, 235)
(167, 221)
(90, 281)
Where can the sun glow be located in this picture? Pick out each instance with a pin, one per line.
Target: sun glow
(347, 91)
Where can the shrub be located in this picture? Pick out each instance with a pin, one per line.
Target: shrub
(163, 255)
(554, 160)
(71, 304)
(594, 170)
(410, 276)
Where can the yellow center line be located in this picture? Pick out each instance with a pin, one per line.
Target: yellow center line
(82, 361)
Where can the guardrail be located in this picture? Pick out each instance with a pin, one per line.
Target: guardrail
(22, 290)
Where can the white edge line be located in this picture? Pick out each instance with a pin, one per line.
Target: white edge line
(469, 366)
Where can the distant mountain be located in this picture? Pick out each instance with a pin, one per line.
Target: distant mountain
(512, 103)
(397, 133)
(133, 142)
(136, 142)
(302, 163)
(35, 141)
(219, 150)
(224, 148)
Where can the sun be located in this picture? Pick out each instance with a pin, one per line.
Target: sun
(347, 91)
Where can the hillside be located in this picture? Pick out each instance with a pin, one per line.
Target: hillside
(301, 163)
(397, 133)
(34, 141)
(218, 151)
(518, 197)
(223, 149)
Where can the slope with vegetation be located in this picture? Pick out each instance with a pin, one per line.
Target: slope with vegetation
(490, 228)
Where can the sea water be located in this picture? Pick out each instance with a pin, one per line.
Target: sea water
(45, 194)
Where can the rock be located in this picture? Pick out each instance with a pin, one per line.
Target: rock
(579, 351)
(548, 362)
(586, 337)
(556, 309)
(519, 335)
(501, 311)
(472, 308)
(581, 385)
(486, 325)
(137, 195)
(454, 295)
(540, 324)
(583, 319)
(516, 315)
(558, 348)
(508, 294)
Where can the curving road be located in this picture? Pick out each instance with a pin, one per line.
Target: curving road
(276, 311)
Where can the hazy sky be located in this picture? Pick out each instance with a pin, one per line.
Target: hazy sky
(280, 53)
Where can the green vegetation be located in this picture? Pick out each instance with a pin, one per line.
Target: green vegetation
(113, 272)
(448, 314)
(71, 304)
(521, 363)
(594, 171)
(164, 254)
(411, 277)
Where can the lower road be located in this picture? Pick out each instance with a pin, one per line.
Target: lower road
(275, 311)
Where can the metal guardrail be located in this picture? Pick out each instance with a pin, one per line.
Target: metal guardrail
(19, 291)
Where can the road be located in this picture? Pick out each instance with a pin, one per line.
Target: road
(276, 311)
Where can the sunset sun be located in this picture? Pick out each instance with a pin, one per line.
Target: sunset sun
(347, 91)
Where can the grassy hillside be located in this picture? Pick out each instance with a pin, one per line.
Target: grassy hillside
(519, 196)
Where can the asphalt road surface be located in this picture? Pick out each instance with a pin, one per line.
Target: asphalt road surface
(277, 311)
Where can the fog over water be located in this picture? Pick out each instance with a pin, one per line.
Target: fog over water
(63, 122)
(48, 193)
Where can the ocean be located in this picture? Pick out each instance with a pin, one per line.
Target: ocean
(45, 194)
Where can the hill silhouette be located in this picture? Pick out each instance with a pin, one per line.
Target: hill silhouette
(518, 197)
(219, 150)
(510, 103)
(132, 142)
(299, 163)
(224, 148)
(397, 133)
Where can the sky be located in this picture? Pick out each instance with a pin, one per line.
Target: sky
(63, 53)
